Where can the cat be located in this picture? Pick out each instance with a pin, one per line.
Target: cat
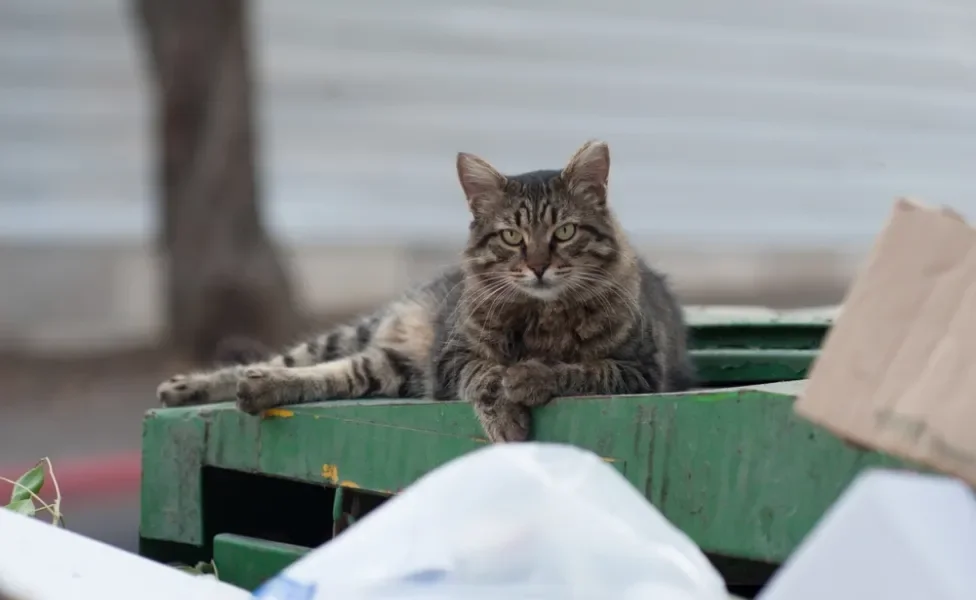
(549, 299)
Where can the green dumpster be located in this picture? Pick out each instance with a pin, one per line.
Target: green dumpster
(738, 346)
(729, 464)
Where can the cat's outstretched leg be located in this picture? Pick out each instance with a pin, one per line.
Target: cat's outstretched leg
(376, 372)
(199, 388)
(220, 385)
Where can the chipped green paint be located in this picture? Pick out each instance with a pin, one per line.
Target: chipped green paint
(173, 448)
(733, 468)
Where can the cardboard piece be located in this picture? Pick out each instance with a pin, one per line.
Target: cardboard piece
(897, 371)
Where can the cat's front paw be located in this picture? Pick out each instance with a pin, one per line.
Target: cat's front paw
(504, 422)
(529, 383)
(184, 390)
(260, 388)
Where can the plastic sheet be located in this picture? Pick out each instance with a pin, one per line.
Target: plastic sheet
(513, 521)
(895, 535)
(39, 561)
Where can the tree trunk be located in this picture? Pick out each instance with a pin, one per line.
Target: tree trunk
(224, 277)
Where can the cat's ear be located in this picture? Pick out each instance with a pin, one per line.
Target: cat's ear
(481, 183)
(588, 171)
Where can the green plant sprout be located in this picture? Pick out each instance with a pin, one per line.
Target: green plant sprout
(24, 498)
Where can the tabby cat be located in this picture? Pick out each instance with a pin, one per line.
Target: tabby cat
(549, 300)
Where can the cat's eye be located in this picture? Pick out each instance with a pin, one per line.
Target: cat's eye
(565, 232)
(511, 237)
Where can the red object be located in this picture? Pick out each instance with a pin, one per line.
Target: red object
(89, 478)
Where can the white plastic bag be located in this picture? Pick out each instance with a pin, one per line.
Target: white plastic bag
(895, 535)
(39, 561)
(512, 521)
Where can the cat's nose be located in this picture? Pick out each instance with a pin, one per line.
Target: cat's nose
(539, 270)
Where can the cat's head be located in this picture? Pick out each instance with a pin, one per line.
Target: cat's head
(544, 234)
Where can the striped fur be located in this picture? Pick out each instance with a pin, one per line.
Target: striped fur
(549, 300)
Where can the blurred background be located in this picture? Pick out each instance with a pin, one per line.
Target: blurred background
(174, 171)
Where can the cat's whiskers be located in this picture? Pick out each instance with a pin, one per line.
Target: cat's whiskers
(500, 295)
(611, 286)
(601, 286)
(480, 295)
(492, 282)
(469, 296)
(598, 296)
(491, 277)
(592, 292)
